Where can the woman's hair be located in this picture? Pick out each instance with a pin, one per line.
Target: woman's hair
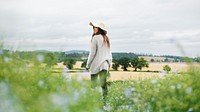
(103, 33)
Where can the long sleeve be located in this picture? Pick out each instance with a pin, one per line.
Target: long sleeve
(92, 53)
(110, 63)
(110, 58)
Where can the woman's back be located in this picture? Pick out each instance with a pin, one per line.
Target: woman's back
(102, 53)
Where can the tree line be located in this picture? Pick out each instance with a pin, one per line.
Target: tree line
(123, 60)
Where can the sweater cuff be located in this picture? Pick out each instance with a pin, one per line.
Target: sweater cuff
(87, 66)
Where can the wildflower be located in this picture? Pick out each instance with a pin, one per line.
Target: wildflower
(59, 100)
(153, 81)
(127, 92)
(40, 83)
(133, 89)
(40, 57)
(76, 96)
(135, 99)
(1, 51)
(188, 90)
(158, 85)
(132, 83)
(190, 110)
(163, 72)
(152, 99)
(172, 87)
(179, 86)
(6, 59)
(107, 108)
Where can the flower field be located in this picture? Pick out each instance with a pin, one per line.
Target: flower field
(25, 88)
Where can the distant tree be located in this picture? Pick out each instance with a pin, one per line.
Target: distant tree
(167, 68)
(84, 63)
(115, 64)
(197, 59)
(50, 59)
(69, 62)
(124, 62)
(176, 60)
(187, 59)
(152, 60)
(139, 63)
(135, 63)
(142, 63)
(166, 60)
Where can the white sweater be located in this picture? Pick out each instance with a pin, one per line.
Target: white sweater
(98, 55)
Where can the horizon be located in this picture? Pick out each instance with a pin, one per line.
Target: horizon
(145, 54)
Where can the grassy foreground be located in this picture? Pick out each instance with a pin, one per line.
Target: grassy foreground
(35, 89)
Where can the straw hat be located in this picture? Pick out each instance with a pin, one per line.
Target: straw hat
(99, 24)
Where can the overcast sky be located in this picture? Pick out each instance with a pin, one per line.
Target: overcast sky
(160, 27)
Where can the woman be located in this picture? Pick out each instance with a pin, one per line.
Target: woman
(100, 57)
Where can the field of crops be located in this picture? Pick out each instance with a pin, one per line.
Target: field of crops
(25, 88)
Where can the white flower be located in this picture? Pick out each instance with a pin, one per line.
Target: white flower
(127, 92)
(6, 59)
(158, 85)
(163, 72)
(59, 100)
(133, 89)
(40, 83)
(132, 83)
(190, 110)
(152, 99)
(188, 90)
(153, 81)
(40, 57)
(107, 108)
(179, 86)
(135, 99)
(172, 87)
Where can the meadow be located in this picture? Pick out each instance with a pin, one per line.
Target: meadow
(153, 71)
(28, 87)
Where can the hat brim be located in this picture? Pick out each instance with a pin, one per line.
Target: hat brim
(96, 25)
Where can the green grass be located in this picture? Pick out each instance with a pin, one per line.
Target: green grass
(35, 89)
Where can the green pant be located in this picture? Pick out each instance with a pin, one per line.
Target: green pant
(102, 75)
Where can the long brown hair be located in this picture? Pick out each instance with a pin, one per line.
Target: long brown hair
(104, 34)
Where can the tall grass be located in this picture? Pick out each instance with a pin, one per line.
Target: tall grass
(25, 88)
(176, 93)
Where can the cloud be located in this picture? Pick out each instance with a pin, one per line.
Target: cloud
(133, 25)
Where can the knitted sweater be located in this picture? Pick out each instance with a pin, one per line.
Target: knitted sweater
(99, 54)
